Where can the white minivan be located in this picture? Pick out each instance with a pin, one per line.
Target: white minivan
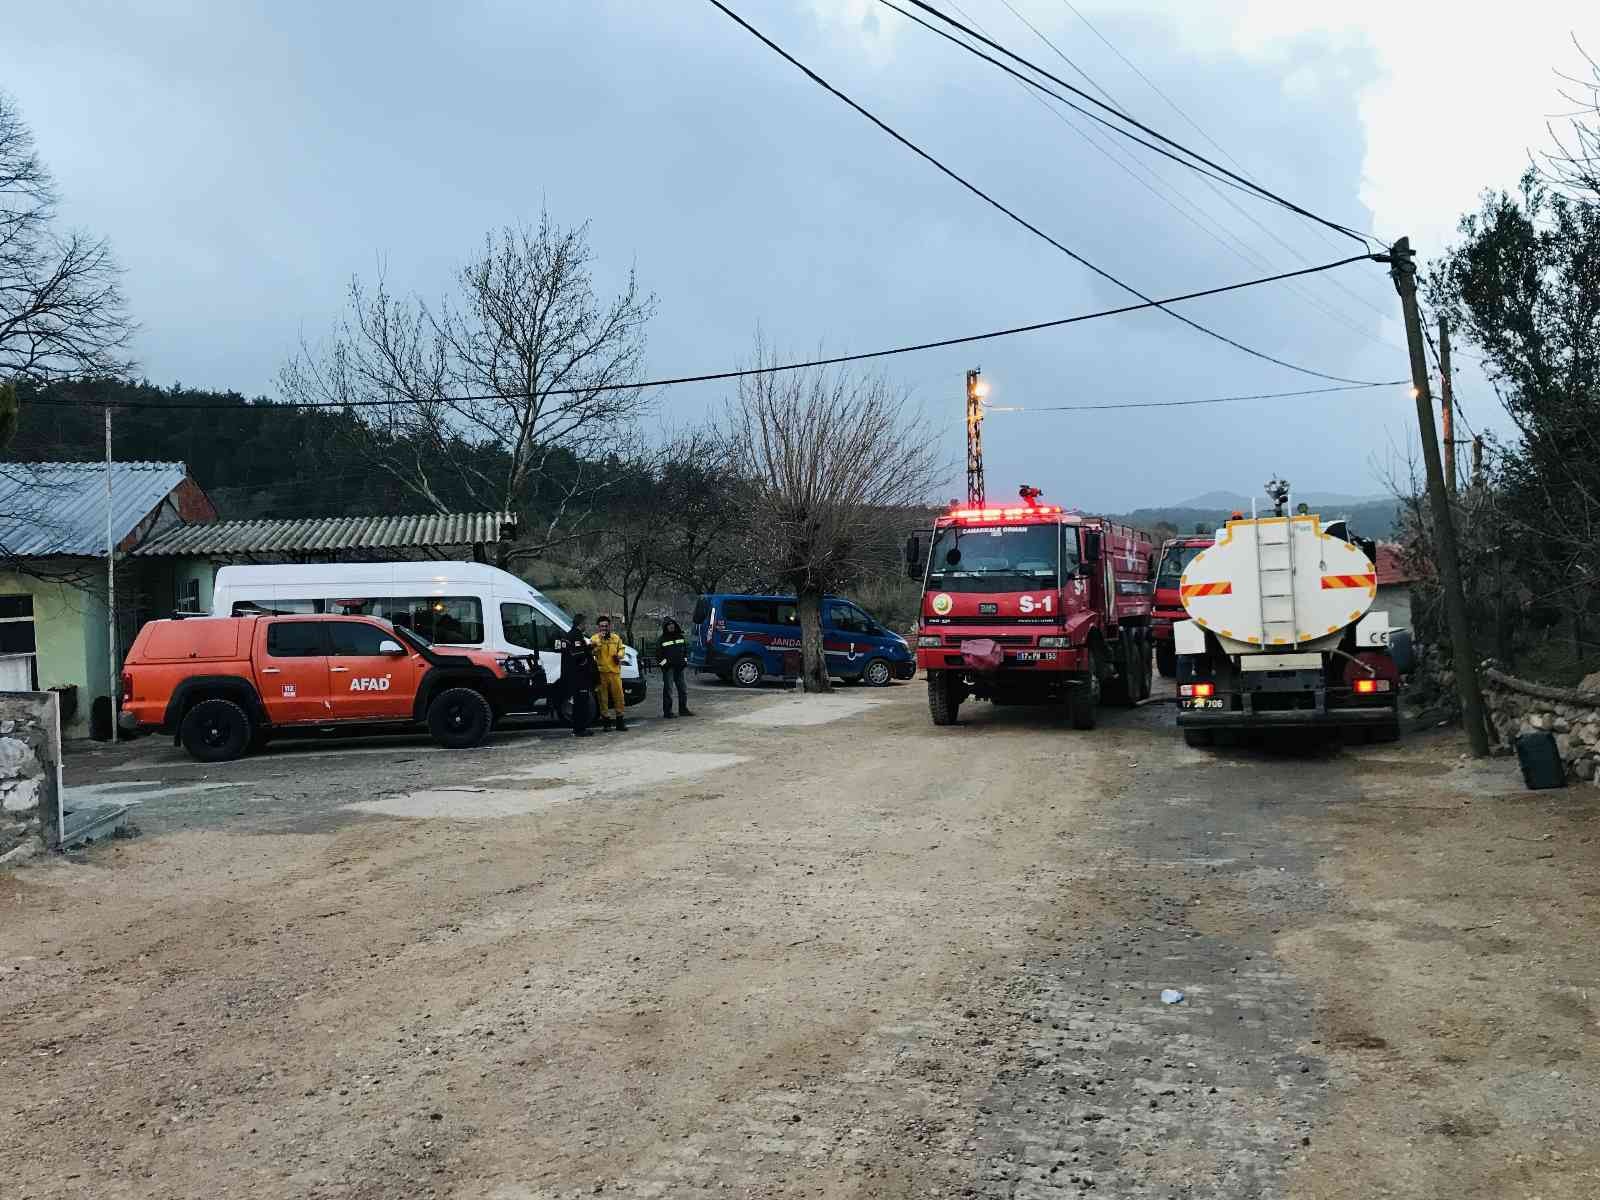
(449, 603)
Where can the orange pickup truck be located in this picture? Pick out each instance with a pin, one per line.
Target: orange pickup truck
(223, 685)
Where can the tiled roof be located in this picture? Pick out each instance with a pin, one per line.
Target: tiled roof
(1391, 565)
(323, 534)
(60, 508)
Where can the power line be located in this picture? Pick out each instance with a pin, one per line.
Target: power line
(1020, 220)
(1241, 250)
(1246, 183)
(1352, 387)
(279, 406)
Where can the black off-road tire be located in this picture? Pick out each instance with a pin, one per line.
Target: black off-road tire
(944, 697)
(746, 672)
(1083, 701)
(216, 731)
(460, 718)
(1166, 659)
(1122, 689)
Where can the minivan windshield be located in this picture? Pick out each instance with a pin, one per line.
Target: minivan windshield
(994, 558)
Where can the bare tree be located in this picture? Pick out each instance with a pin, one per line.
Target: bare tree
(832, 459)
(62, 313)
(505, 395)
(1574, 165)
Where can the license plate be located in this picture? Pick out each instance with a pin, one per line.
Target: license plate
(988, 610)
(1036, 656)
(1205, 703)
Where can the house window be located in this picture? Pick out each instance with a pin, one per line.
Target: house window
(16, 625)
(188, 599)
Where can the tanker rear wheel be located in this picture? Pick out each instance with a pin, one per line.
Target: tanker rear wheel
(1166, 659)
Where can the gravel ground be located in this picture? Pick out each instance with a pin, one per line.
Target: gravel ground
(798, 947)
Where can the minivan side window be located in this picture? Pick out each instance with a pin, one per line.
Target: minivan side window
(297, 639)
(524, 625)
(277, 608)
(752, 612)
(849, 620)
(451, 620)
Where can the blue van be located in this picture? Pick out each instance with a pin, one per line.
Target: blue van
(745, 639)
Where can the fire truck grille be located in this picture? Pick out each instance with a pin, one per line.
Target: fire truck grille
(1005, 639)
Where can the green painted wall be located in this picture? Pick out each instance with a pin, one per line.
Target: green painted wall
(186, 569)
(69, 629)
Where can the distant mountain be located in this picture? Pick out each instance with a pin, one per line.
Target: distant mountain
(1233, 500)
(1373, 518)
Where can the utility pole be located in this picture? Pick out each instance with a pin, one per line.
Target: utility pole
(976, 391)
(1447, 408)
(1404, 272)
(113, 675)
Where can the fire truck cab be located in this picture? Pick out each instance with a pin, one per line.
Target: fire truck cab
(1033, 604)
(1176, 555)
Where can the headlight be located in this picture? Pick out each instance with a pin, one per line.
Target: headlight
(929, 639)
(1055, 643)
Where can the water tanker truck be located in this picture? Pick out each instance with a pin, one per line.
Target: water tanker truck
(1280, 634)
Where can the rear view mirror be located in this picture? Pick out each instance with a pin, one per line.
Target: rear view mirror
(1091, 545)
(913, 557)
(390, 646)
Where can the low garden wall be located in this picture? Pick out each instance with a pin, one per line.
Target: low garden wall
(1571, 714)
(30, 757)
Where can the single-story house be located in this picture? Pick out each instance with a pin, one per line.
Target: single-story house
(1394, 585)
(55, 521)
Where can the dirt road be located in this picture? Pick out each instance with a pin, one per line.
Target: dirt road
(811, 948)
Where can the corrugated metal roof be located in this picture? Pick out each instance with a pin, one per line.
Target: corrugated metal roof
(60, 508)
(323, 534)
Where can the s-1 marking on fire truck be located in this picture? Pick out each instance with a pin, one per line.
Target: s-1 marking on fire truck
(1032, 604)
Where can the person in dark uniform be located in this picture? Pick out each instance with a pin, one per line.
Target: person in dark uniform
(672, 652)
(578, 675)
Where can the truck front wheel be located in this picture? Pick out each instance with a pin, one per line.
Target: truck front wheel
(1166, 659)
(944, 696)
(460, 717)
(1083, 701)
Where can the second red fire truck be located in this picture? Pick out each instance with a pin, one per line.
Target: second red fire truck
(1176, 555)
(1031, 603)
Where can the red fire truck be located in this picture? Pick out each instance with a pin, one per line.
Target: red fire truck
(1033, 604)
(1176, 555)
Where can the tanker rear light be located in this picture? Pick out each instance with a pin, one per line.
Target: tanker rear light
(1020, 512)
(1366, 687)
(1197, 691)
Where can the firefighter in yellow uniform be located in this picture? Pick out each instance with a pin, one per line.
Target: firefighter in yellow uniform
(608, 658)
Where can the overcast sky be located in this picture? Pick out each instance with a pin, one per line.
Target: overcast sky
(247, 159)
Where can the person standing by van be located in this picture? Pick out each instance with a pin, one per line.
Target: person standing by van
(577, 675)
(672, 652)
(608, 649)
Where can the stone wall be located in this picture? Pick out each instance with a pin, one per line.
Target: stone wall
(30, 756)
(1571, 714)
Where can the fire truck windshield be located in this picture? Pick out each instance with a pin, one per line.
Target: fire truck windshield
(994, 558)
(1173, 564)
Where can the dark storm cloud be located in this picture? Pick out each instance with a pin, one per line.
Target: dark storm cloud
(246, 162)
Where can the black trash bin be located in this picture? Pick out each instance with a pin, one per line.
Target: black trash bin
(1541, 761)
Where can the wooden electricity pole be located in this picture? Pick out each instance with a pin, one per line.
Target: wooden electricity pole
(1447, 408)
(1404, 271)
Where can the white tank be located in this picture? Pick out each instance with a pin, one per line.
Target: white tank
(1278, 583)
